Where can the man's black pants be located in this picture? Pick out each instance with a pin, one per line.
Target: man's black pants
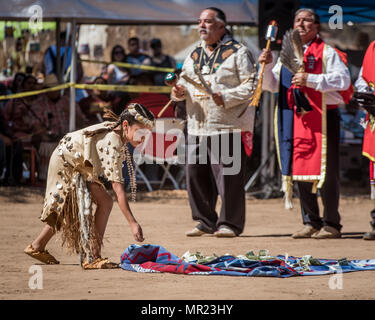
(212, 175)
(330, 192)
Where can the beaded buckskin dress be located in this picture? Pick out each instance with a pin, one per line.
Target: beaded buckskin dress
(77, 161)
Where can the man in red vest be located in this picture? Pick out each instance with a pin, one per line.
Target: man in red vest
(366, 83)
(308, 144)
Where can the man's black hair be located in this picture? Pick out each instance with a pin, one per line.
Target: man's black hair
(311, 11)
(219, 13)
(133, 39)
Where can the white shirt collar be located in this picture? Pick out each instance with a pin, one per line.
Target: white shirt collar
(305, 46)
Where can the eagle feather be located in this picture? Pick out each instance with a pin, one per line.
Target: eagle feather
(292, 54)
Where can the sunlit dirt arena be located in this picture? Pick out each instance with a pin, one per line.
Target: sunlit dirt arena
(165, 216)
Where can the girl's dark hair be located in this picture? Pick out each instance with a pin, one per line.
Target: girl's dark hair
(125, 115)
(117, 46)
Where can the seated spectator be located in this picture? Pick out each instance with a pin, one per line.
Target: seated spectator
(54, 108)
(23, 126)
(17, 81)
(158, 59)
(4, 91)
(93, 106)
(5, 142)
(20, 117)
(119, 76)
(136, 57)
(116, 74)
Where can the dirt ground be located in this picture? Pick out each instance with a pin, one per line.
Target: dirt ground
(165, 216)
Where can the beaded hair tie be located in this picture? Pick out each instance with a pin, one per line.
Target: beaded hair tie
(138, 117)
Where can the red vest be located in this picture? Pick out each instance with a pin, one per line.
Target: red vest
(309, 143)
(368, 74)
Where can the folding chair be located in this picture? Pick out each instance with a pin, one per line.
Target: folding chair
(160, 147)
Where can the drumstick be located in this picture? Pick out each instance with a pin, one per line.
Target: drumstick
(270, 36)
(196, 84)
(170, 80)
(165, 108)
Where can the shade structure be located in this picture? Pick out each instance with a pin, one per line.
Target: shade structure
(357, 11)
(130, 12)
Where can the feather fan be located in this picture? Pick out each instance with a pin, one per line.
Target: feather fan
(291, 55)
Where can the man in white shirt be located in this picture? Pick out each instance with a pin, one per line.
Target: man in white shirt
(313, 138)
(218, 123)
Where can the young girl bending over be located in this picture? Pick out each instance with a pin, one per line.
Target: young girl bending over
(73, 184)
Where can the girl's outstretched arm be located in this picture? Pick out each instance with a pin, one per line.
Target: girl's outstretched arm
(124, 206)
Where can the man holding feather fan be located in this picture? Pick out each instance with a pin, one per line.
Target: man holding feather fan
(312, 80)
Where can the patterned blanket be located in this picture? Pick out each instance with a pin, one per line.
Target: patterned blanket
(154, 258)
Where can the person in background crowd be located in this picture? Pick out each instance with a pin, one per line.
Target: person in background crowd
(5, 143)
(17, 81)
(50, 60)
(159, 59)
(18, 57)
(119, 76)
(136, 57)
(4, 91)
(24, 126)
(54, 108)
(93, 105)
(116, 74)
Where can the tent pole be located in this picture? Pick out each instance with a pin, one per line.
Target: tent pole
(73, 64)
(271, 143)
(66, 45)
(58, 49)
(265, 132)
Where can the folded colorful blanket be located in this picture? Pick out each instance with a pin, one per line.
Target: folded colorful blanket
(154, 258)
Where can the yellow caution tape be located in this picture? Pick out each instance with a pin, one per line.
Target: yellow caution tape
(130, 65)
(102, 87)
(111, 87)
(34, 92)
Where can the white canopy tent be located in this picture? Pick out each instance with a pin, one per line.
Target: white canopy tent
(175, 12)
(162, 12)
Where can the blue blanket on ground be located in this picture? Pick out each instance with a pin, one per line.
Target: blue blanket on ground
(154, 258)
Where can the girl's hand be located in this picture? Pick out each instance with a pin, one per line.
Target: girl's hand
(137, 231)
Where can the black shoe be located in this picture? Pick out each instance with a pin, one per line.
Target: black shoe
(369, 235)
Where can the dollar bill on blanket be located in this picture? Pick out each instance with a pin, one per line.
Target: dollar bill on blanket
(155, 258)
